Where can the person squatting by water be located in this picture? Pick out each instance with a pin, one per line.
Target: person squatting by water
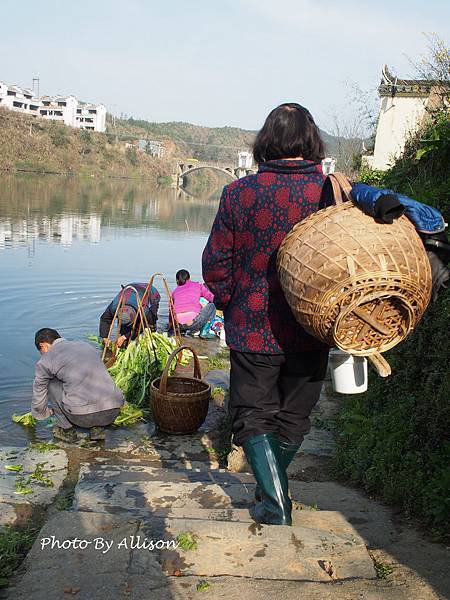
(72, 384)
(150, 303)
(277, 369)
(190, 314)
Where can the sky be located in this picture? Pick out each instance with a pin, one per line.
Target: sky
(214, 62)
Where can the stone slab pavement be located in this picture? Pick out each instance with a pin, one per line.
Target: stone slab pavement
(118, 486)
(223, 548)
(54, 465)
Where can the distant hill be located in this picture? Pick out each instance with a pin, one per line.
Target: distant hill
(195, 141)
(37, 145)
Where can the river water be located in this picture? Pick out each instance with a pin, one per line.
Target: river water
(66, 246)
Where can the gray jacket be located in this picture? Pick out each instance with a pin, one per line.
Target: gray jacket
(87, 385)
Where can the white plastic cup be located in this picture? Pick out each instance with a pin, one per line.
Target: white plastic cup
(348, 372)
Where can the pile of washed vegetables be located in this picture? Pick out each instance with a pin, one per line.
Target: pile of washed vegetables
(142, 361)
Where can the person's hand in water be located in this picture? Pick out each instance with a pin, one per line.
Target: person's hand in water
(121, 341)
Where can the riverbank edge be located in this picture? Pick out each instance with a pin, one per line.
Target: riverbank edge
(161, 180)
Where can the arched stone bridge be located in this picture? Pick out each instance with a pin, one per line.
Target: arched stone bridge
(186, 168)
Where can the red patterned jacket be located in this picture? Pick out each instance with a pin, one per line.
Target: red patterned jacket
(239, 260)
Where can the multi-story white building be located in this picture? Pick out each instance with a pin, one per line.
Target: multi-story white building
(91, 116)
(59, 108)
(16, 98)
(66, 109)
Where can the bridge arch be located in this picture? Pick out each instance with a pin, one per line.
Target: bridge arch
(192, 169)
(232, 171)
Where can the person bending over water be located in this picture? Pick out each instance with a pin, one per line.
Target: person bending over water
(72, 383)
(150, 304)
(188, 309)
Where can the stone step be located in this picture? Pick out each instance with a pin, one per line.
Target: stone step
(128, 470)
(120, 486)
(141, 441)
(305, 553)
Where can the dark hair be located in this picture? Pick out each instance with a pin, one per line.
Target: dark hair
(182, 276)
(289, 131)
(45, 335)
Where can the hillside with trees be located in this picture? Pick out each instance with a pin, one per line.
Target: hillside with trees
(215, 144)
(35, 145)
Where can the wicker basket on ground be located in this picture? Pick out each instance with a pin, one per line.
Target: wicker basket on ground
(352, 282)
(180, 404)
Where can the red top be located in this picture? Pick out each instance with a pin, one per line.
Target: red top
(239, 261)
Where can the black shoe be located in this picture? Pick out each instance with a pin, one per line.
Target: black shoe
(97, 434)
(264, 455)
(65, 435)
(288, 451)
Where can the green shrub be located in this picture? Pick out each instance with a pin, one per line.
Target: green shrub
(393, 440)
(86, 136)
(132, 156)
(58, 135)
(371, 176)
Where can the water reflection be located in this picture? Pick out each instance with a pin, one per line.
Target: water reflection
(62, 230)
(58, 209)
(66, 246)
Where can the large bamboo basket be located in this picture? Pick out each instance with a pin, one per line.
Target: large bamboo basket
(352, 282)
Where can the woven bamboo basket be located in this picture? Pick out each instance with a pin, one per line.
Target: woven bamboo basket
(352, 282)
(180, 404)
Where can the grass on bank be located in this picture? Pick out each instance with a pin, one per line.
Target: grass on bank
(40, 146)
(393, 440)
(14, 545)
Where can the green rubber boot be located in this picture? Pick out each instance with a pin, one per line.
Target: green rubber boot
(288, 451)
(264, 455)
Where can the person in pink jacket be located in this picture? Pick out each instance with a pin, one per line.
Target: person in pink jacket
(191, 316)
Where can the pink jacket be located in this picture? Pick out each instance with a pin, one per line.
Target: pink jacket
(186, 299)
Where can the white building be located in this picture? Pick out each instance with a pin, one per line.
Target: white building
(59, 108)
(403, 104)
(18, 99)
(153, 147)
(328, 165)
(91, 116)
(245, 160)
(66, 109)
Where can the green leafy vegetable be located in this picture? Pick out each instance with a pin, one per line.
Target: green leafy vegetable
(128, 415)
(142, 361)
(95, 339)
(21, 486)
(203, 585)
(39, 474)
(16, 468)
(217, 391)
(187, 540)
(27, 420)
(44, 446)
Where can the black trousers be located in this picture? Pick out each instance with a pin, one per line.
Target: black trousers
(66, 420)
(274, 393)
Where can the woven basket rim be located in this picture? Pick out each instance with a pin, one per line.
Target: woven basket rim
(155, 389)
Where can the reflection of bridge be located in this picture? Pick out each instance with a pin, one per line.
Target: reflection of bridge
(187, 167)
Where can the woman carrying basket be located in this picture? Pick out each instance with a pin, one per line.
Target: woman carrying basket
(277, 369)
